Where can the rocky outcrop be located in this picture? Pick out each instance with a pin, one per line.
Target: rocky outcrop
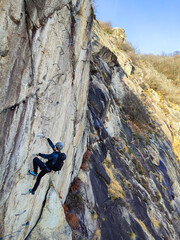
(129, 180)
(45, 53)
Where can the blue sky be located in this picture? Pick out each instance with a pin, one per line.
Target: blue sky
(152, 26)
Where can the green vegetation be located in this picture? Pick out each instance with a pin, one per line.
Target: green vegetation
(132, 235)
(130, 151)
(94, 215)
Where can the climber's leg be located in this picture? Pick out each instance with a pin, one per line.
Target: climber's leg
(37, 162)
(40, 175)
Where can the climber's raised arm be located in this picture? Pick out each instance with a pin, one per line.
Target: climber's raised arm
(50, 143)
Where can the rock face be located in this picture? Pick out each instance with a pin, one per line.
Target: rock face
(45, 53)
(52, 223)
(128, 185)
(121, 176)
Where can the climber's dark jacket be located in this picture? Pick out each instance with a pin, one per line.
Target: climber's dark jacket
(52, 158)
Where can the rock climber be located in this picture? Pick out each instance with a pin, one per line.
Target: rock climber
(54, 163)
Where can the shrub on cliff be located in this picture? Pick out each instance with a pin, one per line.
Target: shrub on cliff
(135, 109)
(127, 47)
(130, 50)
(106, 26)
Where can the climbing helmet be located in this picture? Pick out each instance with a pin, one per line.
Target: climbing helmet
(59, 145)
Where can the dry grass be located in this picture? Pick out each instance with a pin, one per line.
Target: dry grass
(139, 168)
(97, 235)
(176, 147)
(174, 106)
(106, 26)
(155, 222)
(167, 65)
(130, 50)
(163, 75)
(142, 225)
(114, 188)
(127, 47)
(141, 132)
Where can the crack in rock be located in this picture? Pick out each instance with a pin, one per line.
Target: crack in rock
(43, 205)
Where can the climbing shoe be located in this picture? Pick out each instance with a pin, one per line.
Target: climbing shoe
(32, 173)
(31, 191)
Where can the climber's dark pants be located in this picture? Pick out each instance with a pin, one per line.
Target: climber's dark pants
(38, 163)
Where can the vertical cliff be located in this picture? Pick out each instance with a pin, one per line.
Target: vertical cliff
(45, 56)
